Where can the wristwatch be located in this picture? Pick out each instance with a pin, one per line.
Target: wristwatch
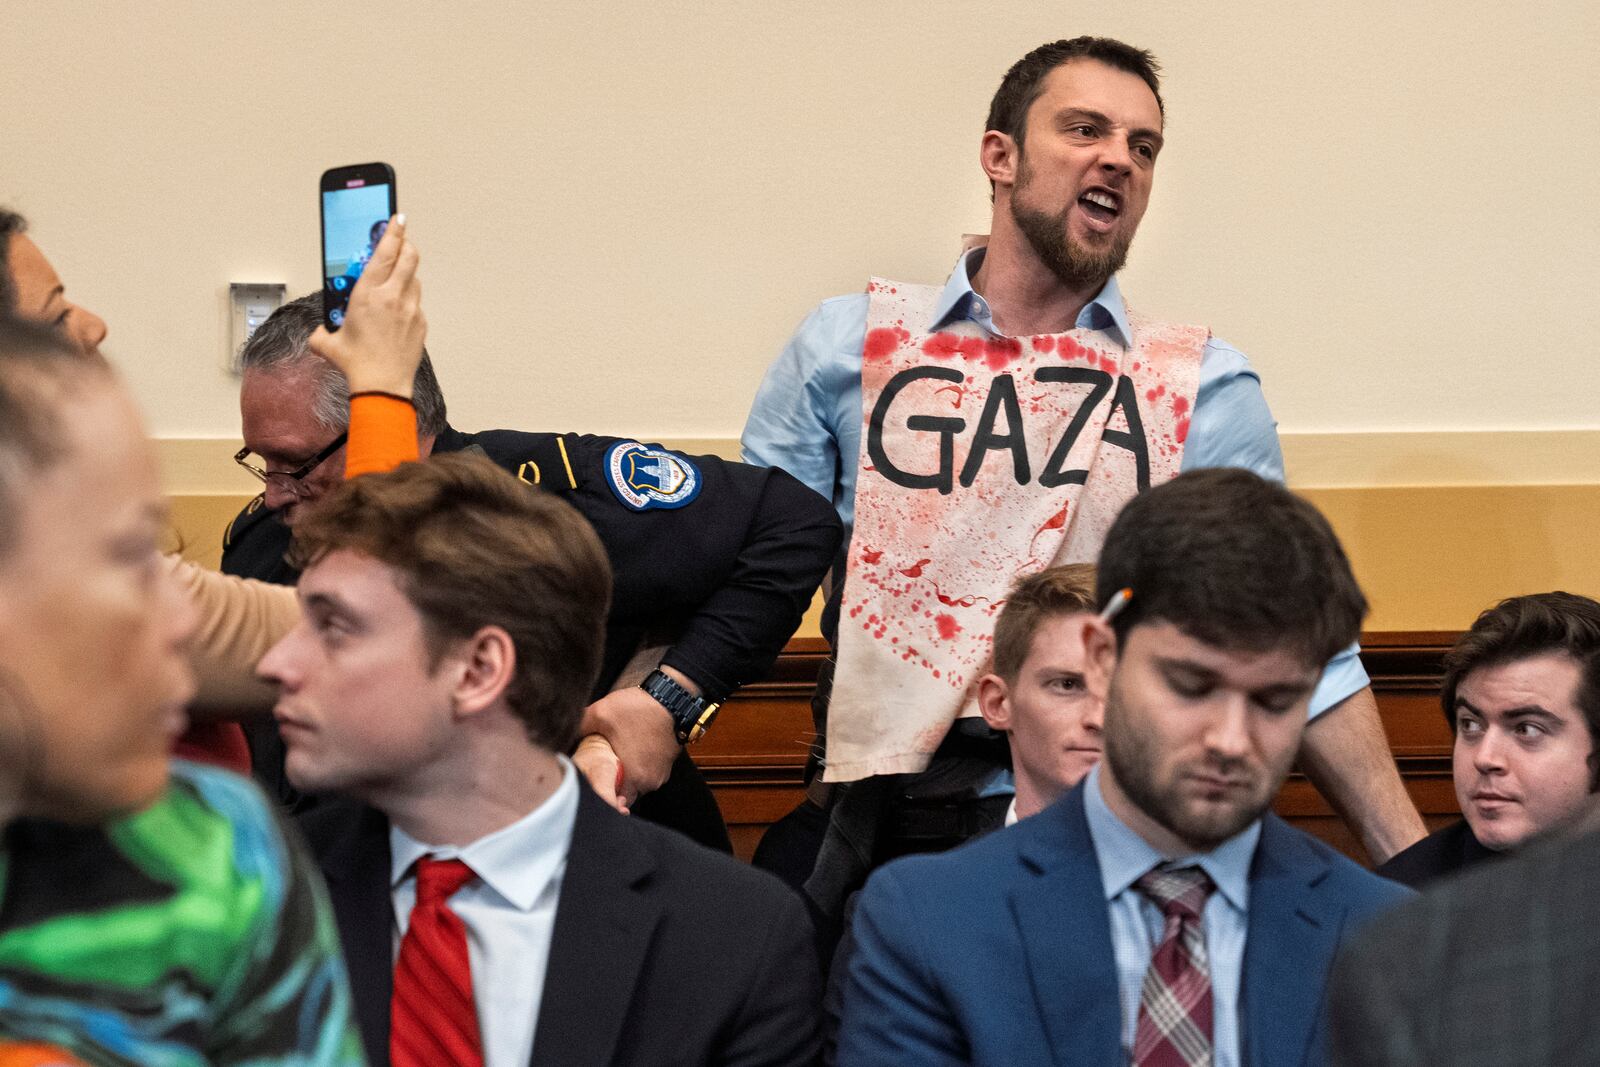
(690, 714)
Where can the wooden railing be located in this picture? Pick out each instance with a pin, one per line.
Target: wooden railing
(755, 756)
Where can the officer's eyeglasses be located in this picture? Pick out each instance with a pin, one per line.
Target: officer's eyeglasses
(289, 481)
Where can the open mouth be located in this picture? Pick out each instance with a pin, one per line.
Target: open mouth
(1101, 205)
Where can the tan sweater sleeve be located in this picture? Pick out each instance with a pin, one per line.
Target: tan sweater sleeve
(239, 620)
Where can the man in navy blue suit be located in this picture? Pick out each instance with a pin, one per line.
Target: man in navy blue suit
(1158, 913)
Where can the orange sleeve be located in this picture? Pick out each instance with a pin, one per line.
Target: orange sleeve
(383, 434)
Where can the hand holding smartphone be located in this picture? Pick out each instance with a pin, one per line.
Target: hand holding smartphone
(357, 203)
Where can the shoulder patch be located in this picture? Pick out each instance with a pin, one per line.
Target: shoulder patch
(644, 478)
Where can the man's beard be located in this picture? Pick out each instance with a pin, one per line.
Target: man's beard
(1076, 267)
(1133, 758)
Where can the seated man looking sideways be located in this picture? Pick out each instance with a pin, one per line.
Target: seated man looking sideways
(1037, 695)
(150, 912)
(1496, 967)
(487, 903)
(1525, 746)
(1158, 913)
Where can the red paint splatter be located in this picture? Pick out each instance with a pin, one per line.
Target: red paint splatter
(1108, 364)
(872, 287)
(949, 346)
(915, 570)
(1155, 394)
(893, 290)
(1180, 407)
(871, 555)
(1067, 348)
(996, 352)
(1183, 430)
(882, 342)
(1046, 343)
(948, 627)
(1001, 351)
(1056, 521)
(962, 602)
(1136, 366)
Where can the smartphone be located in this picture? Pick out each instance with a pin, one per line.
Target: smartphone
(357, 203)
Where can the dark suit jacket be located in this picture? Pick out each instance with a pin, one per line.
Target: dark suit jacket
(663, 952)
(1444, 852)
(1000, 951)
(1497, 966)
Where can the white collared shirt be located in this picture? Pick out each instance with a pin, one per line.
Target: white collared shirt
(509, 913)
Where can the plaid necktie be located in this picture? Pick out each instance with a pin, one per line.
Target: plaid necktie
(432, 1017)
(1174, 1028)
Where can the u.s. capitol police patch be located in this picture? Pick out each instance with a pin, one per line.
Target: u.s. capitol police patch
(644, 478)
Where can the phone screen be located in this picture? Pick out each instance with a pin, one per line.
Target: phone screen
(354, 217)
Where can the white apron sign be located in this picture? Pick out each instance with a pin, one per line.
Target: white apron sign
(983, 459)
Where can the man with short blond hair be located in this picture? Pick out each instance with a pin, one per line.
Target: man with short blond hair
(1036, 694)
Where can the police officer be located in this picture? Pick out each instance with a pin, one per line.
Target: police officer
(721, 558)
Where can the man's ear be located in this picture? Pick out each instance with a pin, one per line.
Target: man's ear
(1100, 655)
(994, 702)
(999, 157)
(485, 663)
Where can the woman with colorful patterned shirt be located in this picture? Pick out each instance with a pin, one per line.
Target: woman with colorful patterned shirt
(150, 914)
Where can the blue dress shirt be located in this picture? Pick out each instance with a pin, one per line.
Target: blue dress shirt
(1137, 924)
(806, 417)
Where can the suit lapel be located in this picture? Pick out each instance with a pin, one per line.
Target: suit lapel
(605, 920)
(356, 866)
(1064, 926)
(1293, 931)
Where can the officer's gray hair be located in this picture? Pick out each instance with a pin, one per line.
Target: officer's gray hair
(281, 342)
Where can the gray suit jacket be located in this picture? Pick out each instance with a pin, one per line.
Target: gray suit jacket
(1498, 966)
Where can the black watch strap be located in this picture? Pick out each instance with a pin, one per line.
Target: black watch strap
(690, 714)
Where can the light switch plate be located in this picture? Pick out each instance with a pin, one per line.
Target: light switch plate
(251, 303)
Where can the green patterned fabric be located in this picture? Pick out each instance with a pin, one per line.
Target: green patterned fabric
(193, 932)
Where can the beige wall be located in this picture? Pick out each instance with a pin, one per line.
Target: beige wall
(625, 209)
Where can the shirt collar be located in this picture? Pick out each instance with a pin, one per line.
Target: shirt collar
(959, 301)
(1124, 856)
(516, 861)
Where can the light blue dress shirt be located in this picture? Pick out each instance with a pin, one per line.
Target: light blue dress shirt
(806, 417)
(1137, 924)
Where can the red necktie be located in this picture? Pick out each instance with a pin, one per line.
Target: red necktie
(1174, 1027)
(432, 1017)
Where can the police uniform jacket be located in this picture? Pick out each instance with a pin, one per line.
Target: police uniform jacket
(723, 555)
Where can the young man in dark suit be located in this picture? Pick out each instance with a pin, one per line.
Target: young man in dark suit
(1497, 966)
(1158, 913)
(488, 901)
(1525, 754)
